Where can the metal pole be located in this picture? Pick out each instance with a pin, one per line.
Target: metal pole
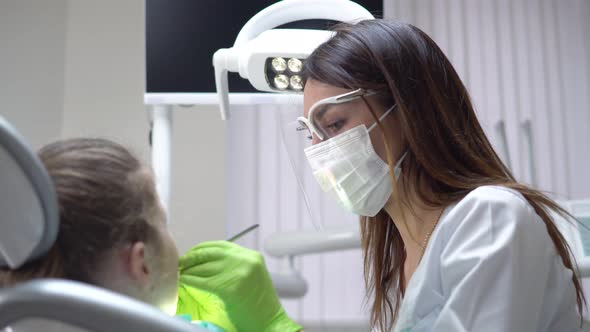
(162, 151)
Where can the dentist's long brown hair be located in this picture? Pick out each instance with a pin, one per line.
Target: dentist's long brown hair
(448, 153)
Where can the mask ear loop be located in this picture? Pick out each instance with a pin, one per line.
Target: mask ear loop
(381, 117)
(389, 159)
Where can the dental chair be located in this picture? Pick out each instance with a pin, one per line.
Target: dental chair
(85, 306)
(577, 232)
(28, 228)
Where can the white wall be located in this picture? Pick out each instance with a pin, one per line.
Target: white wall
(104, 72)
(32, 66)
(198, 207)
(77, 68)
(104, 86)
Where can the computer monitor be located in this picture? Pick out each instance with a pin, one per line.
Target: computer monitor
(182, 35)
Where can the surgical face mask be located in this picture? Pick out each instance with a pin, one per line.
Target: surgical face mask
(347, 167)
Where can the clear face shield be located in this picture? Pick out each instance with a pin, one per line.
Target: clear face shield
(333, 119)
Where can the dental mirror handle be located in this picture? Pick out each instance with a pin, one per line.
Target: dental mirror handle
(242, 233)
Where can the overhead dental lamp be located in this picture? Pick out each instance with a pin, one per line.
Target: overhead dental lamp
(272, 59)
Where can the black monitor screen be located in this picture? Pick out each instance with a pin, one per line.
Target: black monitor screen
(182, 35)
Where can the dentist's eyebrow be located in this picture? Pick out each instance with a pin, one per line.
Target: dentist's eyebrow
(318, 114)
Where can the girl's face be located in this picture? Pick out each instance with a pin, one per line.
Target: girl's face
(164, 256)
(146, 270)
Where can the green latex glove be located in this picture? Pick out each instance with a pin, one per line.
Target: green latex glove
(201, 305)
(240, 278)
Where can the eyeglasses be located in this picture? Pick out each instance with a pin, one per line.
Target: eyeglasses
(318, 110)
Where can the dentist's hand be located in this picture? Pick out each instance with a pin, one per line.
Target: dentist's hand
(203, 306)
(240, 278)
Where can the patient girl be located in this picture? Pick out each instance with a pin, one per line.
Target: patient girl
(112, 229)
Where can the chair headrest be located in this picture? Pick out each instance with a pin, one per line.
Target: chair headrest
(29, 215)
(85, 306)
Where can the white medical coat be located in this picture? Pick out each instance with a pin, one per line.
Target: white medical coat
(490, 266)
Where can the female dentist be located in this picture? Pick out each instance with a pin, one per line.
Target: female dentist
(451, 241)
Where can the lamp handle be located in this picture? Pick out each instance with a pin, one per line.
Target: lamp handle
(287, 11)
(500, 128)
(527, 131)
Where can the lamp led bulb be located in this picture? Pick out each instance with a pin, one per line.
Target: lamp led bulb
(295, 65)
(279, 64)
(281, 82)
(296, 82)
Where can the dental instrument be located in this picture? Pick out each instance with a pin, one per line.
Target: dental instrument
(242, 233)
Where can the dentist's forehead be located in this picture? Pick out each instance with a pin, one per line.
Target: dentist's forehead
(315, 91)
